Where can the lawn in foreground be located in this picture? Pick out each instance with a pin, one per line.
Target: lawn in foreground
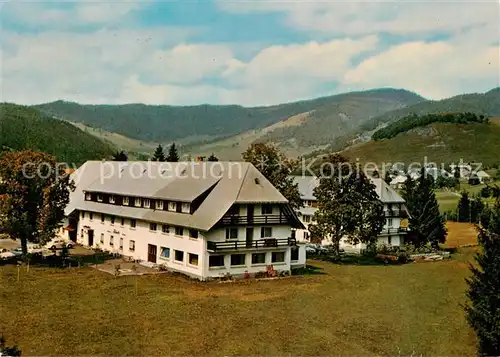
(347, 310)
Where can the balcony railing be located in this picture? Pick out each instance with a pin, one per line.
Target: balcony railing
(256, 244)
(395, 213)
(400, 230)
(258, 219)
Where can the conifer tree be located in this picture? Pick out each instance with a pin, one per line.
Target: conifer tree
(483, 312)
(463, 208)
(158, 154)
(426, 223)
(476, 209)
(173, 155)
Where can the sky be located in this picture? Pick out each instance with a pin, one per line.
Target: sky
(253, 52)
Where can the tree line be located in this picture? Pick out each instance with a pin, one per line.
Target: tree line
(414, 121)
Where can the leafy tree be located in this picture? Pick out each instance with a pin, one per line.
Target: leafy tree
(426, 224)
(483, 312)
(463, 208)
(120, 156)
(158, 154)
(277, 168)
(368, 209)
(348, 206)
(212, 158)
(36, 193)
(387, 177)
(173, 155)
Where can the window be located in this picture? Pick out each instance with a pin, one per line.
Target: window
(259, 258)
(389, 240)
(99, 197)
(193, 259)
(112, 219)
(179, 231)
(83, 214)
(102, 217)
(179, 255)
(389, 222)
(88, 196)
(165, 228)
(111, 240)
(146, 203)
(133, 223)
(171, 206)
(91, 215)
(152, 227)
(131, 245)
(112, 199)
(185, 207)
(306, 218)
(193, 233)
(295, 253)
(102, 238)
(232, 233)
(216, 261)
(138, 202)
(121, 243)
(237, 259)
(266, 232)
(81, 233)
(164, 253)
(159, 204)
(306, 235)
(278, 257)
(307, 203)
(267, 209)
(125, 201)
(123, 221)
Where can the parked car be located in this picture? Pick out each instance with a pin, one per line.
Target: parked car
(59, 243)
(35, 249)
(6, 254)
(311, 249)
(17, 251)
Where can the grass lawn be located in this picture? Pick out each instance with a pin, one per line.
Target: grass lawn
(346, 310)
(448, 200)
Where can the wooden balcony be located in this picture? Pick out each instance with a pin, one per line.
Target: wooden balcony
(389, 231)
(396, 213)
(256, 244)
(256, 220)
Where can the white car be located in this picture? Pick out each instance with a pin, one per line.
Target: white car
(35, 249)
(59, 244)
(6, 254)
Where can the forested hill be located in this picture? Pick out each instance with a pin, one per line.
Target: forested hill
(415, 121)
(487, 104)
(163, 123)
(26, 128)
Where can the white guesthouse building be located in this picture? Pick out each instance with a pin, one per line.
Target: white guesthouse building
(393, 234)
(204, 219)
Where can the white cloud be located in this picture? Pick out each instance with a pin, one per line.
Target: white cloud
(434, 70)
(69, 14)
(338, 17)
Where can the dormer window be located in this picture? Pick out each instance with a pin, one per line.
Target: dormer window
(159, 204)
(99, 197)
(125, 201)
(112, 199)
(138, 202)
(172, 206)
(146, 203)
(88, 196)
(185, 208)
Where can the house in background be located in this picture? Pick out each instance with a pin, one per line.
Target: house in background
(483, 176)
(203, 219)
(398, 181)
(393, 233)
